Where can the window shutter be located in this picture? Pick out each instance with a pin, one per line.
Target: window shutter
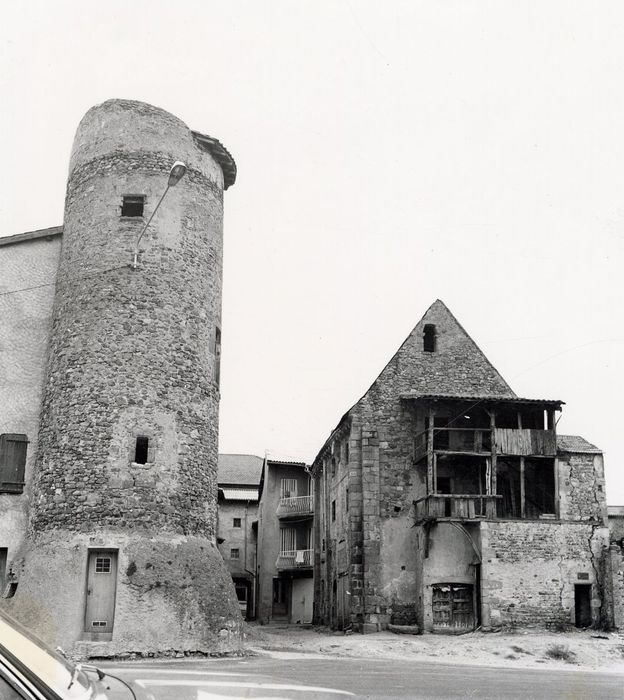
(12, 462)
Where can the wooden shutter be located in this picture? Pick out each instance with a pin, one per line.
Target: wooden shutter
(12, 462)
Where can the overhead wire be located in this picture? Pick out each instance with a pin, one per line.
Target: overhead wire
(68, 279)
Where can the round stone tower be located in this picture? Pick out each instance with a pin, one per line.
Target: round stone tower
(123, 520)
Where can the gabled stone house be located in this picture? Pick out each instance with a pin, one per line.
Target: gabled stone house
(446, 501)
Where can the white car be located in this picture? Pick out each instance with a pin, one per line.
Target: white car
(30, 670)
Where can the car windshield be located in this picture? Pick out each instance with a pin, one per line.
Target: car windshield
(39, 664)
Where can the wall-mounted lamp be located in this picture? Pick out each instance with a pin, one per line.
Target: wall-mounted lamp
(175, 175)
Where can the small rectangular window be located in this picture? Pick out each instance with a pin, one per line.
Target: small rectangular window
(333, 510)
(141, 449)
(12, 462)
(132, 205)
(102, 565)
(236, 522)
(234, 553)
(429, 338)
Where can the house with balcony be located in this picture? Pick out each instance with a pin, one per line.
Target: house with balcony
(444, 500)
(285, 543)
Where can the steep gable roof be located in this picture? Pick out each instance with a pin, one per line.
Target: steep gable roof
(239, 469)
(456, 366)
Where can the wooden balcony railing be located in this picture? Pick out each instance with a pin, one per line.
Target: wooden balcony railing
(299, 505)
(525, 442)
(507, 441)
(295, 559)
(459, 506)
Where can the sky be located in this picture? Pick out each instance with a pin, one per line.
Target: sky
(388, 154)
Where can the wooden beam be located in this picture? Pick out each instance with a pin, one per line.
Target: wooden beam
(522, 487)
(492, 484)
(430, 453)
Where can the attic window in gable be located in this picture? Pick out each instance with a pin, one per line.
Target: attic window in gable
(132, 205)
(429, 338)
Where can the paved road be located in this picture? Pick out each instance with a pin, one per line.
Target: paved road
(366, 678)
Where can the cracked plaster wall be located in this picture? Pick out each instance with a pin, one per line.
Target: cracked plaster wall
(24, 337)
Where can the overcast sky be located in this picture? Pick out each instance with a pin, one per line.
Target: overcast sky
(388, 154)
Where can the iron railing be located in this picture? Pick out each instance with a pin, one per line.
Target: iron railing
(298, 505)
(295, 559)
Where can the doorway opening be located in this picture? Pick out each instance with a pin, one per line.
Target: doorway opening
(281, 595)
(582, 605)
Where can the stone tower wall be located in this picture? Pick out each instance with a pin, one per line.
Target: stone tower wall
(133, 353)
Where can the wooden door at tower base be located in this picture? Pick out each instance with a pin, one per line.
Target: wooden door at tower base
(101, 589)
(453, 610)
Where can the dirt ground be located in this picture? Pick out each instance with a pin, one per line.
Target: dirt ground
(581, 649)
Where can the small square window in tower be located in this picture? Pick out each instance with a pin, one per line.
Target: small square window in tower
(132, 205)
(141, 450)
(429, 338)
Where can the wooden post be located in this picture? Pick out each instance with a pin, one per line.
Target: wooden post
(430, 454)
(522, 487)
(492, 485)
(551, 419)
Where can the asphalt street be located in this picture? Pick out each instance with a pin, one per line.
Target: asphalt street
(365, 678)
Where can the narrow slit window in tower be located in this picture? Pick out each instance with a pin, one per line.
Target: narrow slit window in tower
(132, 205)
(429, 338)
(141, 449)
(217, 365)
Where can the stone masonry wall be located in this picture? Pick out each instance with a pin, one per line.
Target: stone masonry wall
(581, 487)
(615, 571)
(529, 570)
(382, 481)
(132, 352)
(456, 366)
